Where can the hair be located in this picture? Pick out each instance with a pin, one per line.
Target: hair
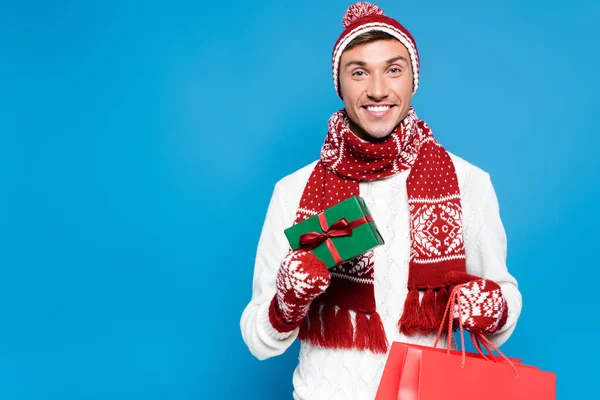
(368, 37)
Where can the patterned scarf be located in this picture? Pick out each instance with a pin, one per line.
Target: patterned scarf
(436, 246)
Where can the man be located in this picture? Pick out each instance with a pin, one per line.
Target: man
(437, 213)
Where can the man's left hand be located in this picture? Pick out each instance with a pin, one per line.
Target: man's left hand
(481, 304)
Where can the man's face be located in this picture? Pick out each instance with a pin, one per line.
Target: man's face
(376, 83)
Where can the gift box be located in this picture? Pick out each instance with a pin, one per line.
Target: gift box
(337, 234)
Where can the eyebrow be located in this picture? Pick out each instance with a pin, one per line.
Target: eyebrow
(354, 62)
(364, 64)
(393, 60)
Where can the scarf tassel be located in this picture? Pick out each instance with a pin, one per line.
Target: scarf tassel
(409, 321)
(370, 334)
(362, 331)
(333, 329)
(344, 332)
(427, 314)
(328, 315)
(377, 339)
(314, 329)
(337, 328)
(424, 315)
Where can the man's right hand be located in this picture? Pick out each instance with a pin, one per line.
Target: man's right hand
(301, 278)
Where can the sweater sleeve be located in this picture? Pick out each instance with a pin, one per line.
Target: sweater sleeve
(262, 339)
(487, 258)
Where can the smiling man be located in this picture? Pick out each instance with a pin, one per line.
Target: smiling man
(438, 214)
(377, 90)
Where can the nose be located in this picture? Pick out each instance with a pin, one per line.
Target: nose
(377, 89)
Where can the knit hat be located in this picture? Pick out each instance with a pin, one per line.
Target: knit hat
(364, 17)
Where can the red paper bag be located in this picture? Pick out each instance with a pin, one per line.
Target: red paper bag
(415, 372)
(392, 373)
(428, 375)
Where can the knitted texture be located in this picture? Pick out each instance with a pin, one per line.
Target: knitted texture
(435, 230)
(301, 278)
(482, 306)
(364, 17)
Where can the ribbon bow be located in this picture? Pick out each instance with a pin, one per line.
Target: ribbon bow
(342, 227)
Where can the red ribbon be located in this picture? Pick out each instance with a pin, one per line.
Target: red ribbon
(310, 240)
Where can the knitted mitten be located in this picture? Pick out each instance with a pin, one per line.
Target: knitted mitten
(481, 304)
(301, 278)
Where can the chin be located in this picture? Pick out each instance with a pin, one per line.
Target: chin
(380, 134)
(370, 130)
(381, 129)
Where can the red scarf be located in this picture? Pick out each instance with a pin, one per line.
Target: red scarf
(436, 236)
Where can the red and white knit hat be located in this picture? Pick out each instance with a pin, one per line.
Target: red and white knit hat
(363, 17)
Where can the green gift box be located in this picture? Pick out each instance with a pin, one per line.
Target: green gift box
(338, 234)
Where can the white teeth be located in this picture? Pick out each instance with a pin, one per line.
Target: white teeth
(378, 108)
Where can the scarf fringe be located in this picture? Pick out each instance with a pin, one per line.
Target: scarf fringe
(409, 321)
(342, 331)
(361, 341)
(425, 315)
(314, 329)
(377, 338)
(331, 328)
(328, 315)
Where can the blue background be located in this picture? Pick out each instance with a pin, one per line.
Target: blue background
(140, 142)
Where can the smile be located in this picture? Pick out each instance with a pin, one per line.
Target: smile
(378, 111)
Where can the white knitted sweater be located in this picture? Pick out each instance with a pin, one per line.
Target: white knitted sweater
(354, 374)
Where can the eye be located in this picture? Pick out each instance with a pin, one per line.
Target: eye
(358, 73)
(395, 70)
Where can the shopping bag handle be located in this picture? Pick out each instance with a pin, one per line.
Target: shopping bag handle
(477, 338)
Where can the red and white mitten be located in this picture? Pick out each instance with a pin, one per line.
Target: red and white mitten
(481, 304)
(301, 278)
